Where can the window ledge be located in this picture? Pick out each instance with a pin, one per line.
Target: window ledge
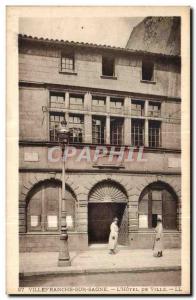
(108, 77)
(68, 72)
(148, 81)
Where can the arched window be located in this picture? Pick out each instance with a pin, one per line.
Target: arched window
(44, 207)
(158, 200)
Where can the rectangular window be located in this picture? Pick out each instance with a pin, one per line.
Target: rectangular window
(137, 108)
(116, 106)
(108, 66)
(57, 100)
(76, 102)
(76, 127)
(98, 130)
(147, 70)
(98, 104)
(137, 132)
(154, 109)
(55, 119)
(116, 131)
(143, 221)
(67, 62)
(52, 222)
(35, 221)
(154, 134)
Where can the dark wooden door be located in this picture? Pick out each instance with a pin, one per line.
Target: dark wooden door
(123, 230)
(100, 217)
(169, 211)
(99, 220)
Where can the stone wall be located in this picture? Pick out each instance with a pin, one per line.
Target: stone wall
(34, 117)
(37, 65)
(82, 184)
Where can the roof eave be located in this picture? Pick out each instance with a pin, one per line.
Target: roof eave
(95, 46)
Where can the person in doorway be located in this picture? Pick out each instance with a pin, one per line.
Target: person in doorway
(158, 242)
(113, 238)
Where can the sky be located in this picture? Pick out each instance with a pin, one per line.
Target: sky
(105, 31)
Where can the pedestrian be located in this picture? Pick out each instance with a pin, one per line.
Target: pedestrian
(158, 242)
(113, 238)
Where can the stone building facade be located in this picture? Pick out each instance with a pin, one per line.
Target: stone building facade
(123, 111)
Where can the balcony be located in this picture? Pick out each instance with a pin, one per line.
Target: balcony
(76, 106)
(137, 112)
(57, 105)
(154, 113)
(116, 110)
(99, 108)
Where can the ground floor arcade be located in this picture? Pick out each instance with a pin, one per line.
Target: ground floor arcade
(92, 201)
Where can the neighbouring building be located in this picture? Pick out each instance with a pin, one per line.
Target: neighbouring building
(123, 108)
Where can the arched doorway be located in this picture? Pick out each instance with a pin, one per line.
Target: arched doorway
(107, 200)
(158, 200)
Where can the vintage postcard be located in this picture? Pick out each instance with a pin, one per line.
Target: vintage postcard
(98, 150)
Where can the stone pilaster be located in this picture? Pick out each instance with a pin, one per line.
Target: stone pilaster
(133, 213)
(88, 128)
(82, 217)
(127, 106)
(67, 100)
(127, 131)
(146, 138)
(22, 217)
(108, 104)
(108, 130)
(87, 101)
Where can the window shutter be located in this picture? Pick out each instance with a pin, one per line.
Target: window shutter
(34, 211)
(51, 199)
(169, 211)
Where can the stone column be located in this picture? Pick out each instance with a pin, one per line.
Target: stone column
(133, 213)
(88, 128)
(146, 124)
(108, 130)
(146, 108)
(87, 101)
(127, 106)
(127, 131)
(67, 117)
(67, 107)
(163, 109)
(67, 100)
(108, 104)
(146, 142)
(82, 224)
(82, 217)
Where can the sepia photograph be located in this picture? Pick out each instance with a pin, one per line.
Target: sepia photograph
(99, 135)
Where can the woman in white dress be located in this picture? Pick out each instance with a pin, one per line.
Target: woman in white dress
(158, 243)
(113, 238)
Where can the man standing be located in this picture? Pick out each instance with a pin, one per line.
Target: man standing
(113, 238)
(158, 243)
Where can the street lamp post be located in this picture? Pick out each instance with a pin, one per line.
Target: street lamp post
(63, 259)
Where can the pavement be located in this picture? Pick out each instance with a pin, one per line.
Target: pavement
(98, 260)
